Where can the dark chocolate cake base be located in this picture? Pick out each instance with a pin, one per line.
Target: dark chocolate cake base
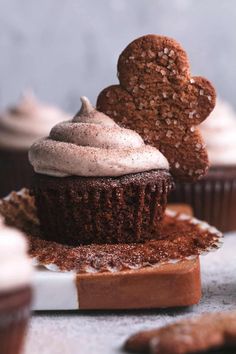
(213, 198)
(85, 210)
(14, 315)
(15, 171)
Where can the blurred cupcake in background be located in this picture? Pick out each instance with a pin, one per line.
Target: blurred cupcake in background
(214, 197)
(20, 126)
(15, 289)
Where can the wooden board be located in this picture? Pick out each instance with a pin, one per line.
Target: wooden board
(170, 285)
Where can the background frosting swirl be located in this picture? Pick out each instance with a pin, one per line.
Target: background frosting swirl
(92, 144)
(219, 133)
(15, 265)
(21, 125)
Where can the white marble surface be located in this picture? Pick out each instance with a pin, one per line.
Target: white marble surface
(105, 332)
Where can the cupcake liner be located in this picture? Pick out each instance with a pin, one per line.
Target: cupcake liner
(14, 315)
(16, 171)
(12, 337)
(213, 198)
(182, 237)
(85, 210)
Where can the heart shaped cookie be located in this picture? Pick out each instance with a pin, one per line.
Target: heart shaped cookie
(159, 99)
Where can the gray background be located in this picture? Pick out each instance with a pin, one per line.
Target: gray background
(66, 48)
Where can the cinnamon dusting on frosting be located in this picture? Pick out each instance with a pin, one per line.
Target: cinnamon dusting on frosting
(88, 114)
(15, 265)
(92, 144)
(26, 122)
(219, 132)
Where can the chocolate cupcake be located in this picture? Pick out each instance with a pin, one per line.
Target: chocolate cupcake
(20, 126)
(15, 289)
(213, 198)
(96, 182)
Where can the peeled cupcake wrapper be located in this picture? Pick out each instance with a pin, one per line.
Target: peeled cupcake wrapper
(19, 208)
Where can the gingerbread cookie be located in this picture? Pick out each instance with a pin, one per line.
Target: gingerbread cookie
(193, 335)
(159, 99)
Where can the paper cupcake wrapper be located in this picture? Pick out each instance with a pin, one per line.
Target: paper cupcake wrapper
(78, 210)
(12, 333)
(19, 315)
(14, 314)
(184, 238)
(212, 199)
(16, 171)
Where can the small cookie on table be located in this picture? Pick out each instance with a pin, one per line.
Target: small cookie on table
(193, 335)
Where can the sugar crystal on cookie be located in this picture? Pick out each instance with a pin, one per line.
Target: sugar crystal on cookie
(154, 85)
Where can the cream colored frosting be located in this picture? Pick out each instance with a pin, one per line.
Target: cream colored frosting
(15, 265)
(219, 133)
(92, 144)
(20, 126)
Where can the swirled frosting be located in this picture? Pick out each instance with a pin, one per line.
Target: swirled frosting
(92, 144)
(15, 265)
(219, 133)
(21, 125)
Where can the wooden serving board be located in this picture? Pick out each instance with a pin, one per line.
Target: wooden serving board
(170, 285)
